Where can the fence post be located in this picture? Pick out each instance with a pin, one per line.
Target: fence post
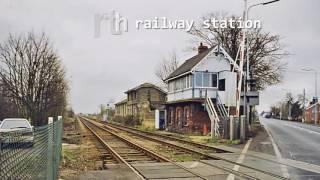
(50, 150)
(57, 146)
(231, 128)
(242, 129)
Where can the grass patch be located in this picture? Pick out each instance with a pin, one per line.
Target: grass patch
(185, 157)
(233, 142)
(177, 156)
(70, 157)
(202, 139)
(143, 128)
(213, 141)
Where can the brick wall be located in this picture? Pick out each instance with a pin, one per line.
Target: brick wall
(200, 119)
(310, 115)
(195, 117)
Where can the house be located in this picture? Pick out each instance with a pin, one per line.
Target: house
(310, 113)
(121, 108)
(145, 102)
(208, 76)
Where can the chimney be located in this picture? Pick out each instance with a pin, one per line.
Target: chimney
(202, 48)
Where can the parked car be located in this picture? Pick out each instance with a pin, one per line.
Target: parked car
(16, 130)
(267, 115)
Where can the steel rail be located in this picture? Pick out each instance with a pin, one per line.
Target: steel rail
(114, 153)
(161, 158)
(197, 145)
(206, 156)
(209, 156)
(174, 139)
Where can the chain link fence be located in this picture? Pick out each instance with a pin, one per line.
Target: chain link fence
(31, 154)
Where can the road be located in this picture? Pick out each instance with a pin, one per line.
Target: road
(296, 141)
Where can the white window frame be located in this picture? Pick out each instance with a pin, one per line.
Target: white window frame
(202, 79)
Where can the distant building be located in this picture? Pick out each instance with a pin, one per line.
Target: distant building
(121, 108)
(142, 102)
(209, 74)
(310, 113)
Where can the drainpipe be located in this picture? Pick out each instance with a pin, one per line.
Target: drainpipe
(193, 81)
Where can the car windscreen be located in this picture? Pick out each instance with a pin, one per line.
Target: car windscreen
(14, 124)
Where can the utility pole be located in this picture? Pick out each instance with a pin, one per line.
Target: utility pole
(304, 105)
(242, 51)
(107, 113)
(243, 77)
(241, 74)
(280, 111)
(316, 97)
(289, 111)
(246, 75)
(281, 105)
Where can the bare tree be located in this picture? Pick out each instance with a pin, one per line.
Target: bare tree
(7, 107)
(31, 71)
(289, 104)
(166, 67)
(266, 51)
(289, 98)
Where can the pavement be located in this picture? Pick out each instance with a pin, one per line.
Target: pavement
(295, 141)
(115, 171)
(261, 141)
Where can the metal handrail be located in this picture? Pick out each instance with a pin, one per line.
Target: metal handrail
(213, 114)
(221, 106)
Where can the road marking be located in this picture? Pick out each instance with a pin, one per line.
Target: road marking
(240, 159)
(303, 129)
(284, 169)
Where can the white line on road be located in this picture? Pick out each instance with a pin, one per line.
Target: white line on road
(240, 159)
(303, 129)
(284, 169)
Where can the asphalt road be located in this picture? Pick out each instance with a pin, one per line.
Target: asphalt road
(296, 141)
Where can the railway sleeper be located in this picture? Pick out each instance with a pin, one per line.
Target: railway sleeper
(138, 159)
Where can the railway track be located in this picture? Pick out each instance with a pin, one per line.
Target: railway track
(198, 146)
(154, 137)
(104, 155)
(195, 145)
(128, 153)
(183, 146)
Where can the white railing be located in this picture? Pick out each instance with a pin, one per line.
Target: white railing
(221, 107)
(214, 118)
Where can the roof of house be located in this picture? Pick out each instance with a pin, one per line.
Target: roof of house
(312, 105)
(189, 64)
(121, 102)
(146, 85)
(198, 100)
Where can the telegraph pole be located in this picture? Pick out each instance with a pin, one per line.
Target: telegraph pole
(316, 96)
(304, 105)
(242, 75)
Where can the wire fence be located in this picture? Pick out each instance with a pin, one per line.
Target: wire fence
(31, 153)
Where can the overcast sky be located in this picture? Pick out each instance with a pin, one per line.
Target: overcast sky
(101, 69)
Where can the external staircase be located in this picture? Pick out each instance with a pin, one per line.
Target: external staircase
(218, 116)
